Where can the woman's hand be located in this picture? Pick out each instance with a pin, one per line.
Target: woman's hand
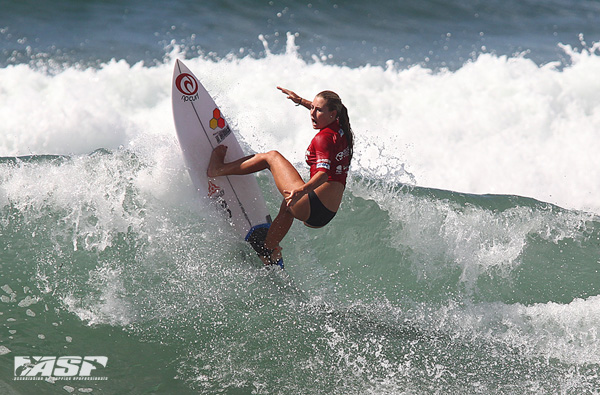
(293, 196)
(291, 95)
(296, 194)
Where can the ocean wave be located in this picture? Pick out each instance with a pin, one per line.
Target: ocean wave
(406, 288)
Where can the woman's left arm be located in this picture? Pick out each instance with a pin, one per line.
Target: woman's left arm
(296, 194)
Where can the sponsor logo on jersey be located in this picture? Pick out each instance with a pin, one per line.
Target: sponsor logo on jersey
(323, 164)
(341, 155)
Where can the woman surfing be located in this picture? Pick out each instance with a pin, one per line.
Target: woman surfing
(316, 201)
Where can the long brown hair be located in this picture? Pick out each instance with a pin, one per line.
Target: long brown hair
(333, 102)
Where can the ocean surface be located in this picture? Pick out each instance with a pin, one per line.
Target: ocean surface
(465, 257)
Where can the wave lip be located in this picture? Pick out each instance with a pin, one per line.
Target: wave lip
(498, 124)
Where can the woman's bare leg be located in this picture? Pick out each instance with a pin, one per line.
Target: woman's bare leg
(286, 178)
(247, 165)
(280, 227)
(284, 173)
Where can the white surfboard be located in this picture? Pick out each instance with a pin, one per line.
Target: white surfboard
(201, 127)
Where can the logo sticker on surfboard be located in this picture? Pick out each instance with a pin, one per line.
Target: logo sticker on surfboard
(214, 189)
(215, 192)
(218, 122)
(186, 84)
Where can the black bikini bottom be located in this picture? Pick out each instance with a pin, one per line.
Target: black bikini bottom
(319, 214)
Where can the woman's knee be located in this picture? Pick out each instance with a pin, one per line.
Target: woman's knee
(271, 157)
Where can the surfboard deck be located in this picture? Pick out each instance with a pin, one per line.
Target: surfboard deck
(201, 127)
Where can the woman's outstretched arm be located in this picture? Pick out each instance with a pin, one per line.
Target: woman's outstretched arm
(296, 98)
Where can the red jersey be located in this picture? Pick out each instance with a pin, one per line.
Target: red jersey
(329, 152)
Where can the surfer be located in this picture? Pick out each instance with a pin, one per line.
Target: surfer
(329, 154)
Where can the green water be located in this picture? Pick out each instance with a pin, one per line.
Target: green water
(411, 290)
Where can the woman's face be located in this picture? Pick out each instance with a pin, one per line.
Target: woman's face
(320, 114)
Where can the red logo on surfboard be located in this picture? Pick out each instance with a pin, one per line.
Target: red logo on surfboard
(215, 192)
(213, 189)
(187, 84)
(217, 120)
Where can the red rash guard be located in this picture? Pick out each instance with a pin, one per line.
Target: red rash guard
(329, 152)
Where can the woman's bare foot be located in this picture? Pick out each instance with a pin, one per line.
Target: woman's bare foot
(276, 256)
(217, 159)
(273, 258)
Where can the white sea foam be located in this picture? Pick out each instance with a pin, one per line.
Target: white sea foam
(497, 125)
(111, 307)
(565, 332)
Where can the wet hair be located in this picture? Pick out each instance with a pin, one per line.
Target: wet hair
(333, 102)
